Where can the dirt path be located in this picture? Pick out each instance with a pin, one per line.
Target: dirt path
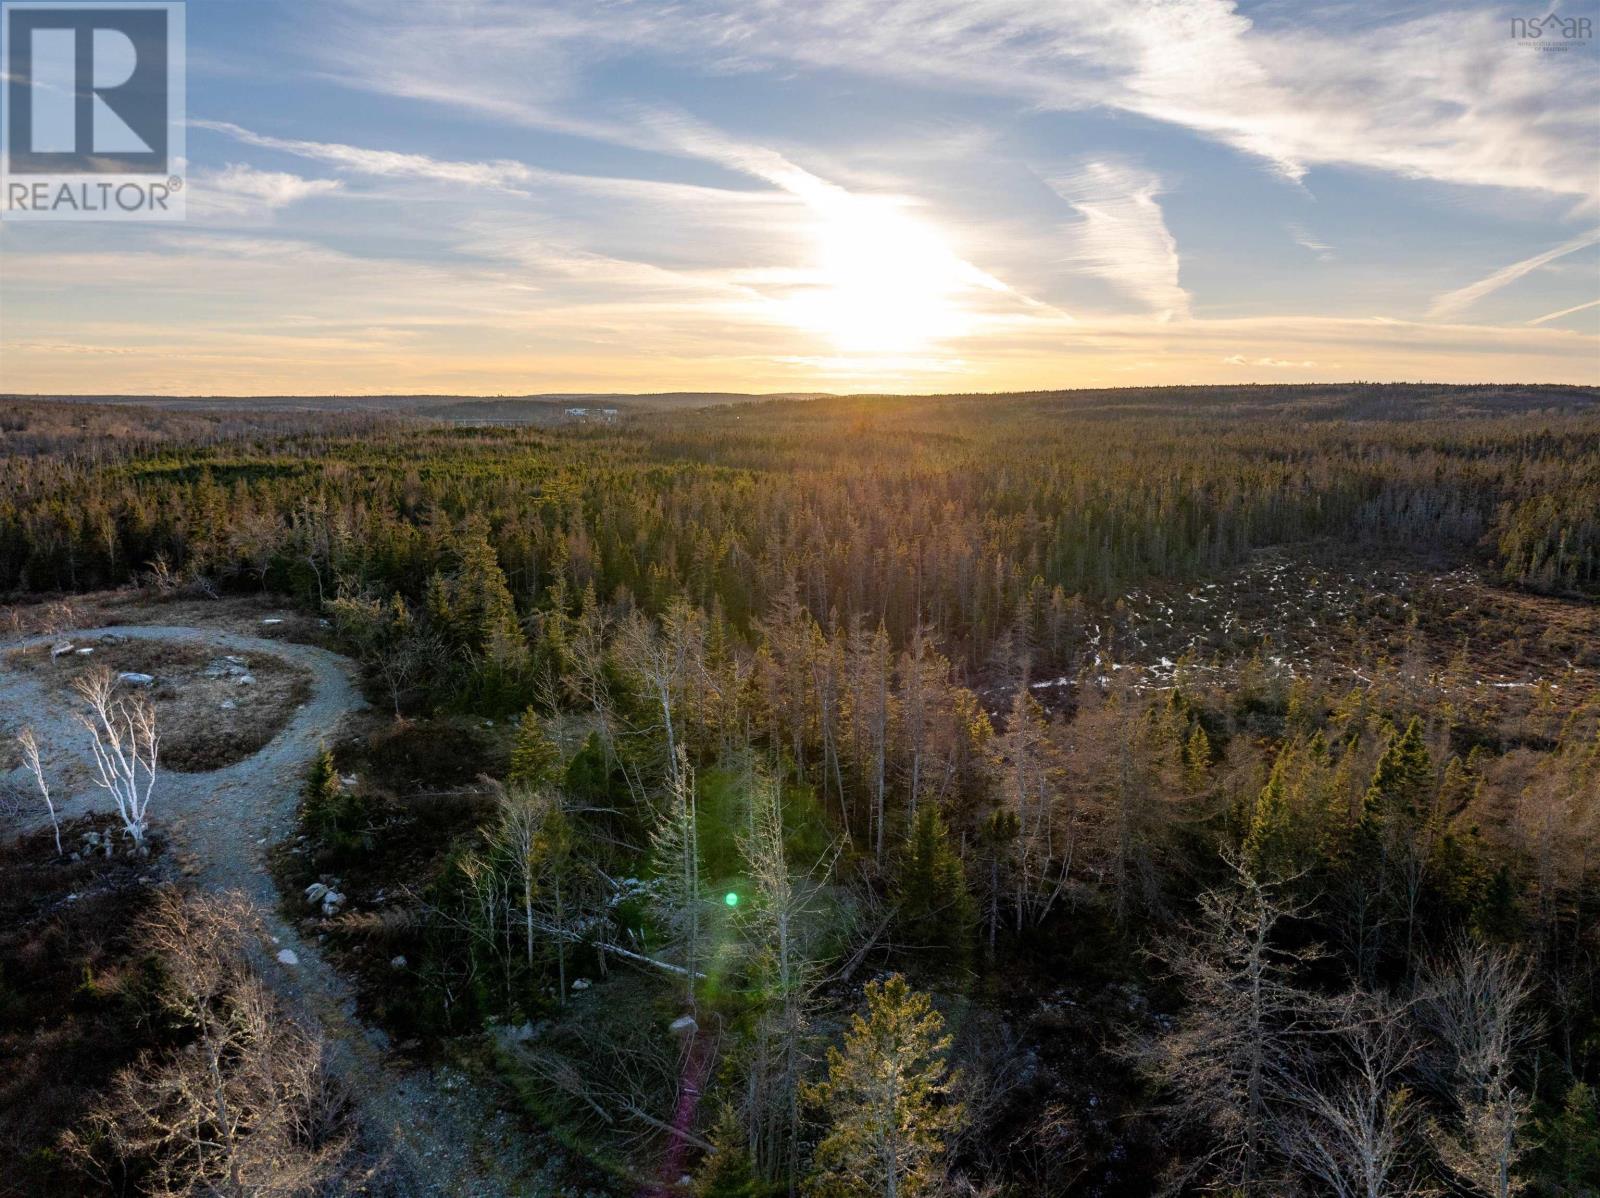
(440, 1140)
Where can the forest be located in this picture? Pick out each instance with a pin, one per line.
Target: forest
(1178, 790)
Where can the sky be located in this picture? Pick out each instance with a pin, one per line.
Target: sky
(499, 197)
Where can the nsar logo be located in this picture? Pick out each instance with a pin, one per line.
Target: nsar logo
(1552, 31)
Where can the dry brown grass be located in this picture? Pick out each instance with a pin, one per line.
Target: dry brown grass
(198, 732)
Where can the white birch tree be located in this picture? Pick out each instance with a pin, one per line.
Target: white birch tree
(125, 741)
(29, 744)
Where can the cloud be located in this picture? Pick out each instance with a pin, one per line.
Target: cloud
(1545, 319)
(1444, 96)
(1122, 236)
(1272, 363)
(1306, 241)
(499, 174)
(241, 192)
(1452, 303)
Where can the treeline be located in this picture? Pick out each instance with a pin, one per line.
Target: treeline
(966, 513)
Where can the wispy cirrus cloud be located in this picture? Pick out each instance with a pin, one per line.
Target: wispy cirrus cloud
(1311, 244)
(1452, 303)
(1572, 311)
(752, 195)
(241, 192)
(1270, 363)
(1122, 235)
(502, 174)
(1442, 95)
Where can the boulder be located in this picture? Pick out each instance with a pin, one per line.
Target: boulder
(134, 678)
(397, 962)
(247, 679)
(315, 893)
(332, 903)
(85, 651)
(272, 620)
(683, 1024)
(288, 956)
(581, 984)
(229, 705)
(60, 648)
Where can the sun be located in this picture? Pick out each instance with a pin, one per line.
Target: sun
(884, 281)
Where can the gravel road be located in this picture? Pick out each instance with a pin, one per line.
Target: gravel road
(428, 1123)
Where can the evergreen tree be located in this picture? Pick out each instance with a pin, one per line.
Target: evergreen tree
(1268, 852)
(886, 1099)
(535, 760)
(935, 907)
(727, 1170)
(1197, 759)
(324, 804)
(472, 606)
(588, 779)
(997, 839)
(1569, 1156)
(1403, 782)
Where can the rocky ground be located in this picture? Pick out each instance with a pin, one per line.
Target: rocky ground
(437, 1131)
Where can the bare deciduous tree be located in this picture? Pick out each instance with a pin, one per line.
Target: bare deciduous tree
(1239, 1043)
(776, 920)
(123, 735)
(668, 663)
(1472, 1003)
(675, 845)
(532, 831)
(251, 1110)
(1352, 1131)
(29, 744)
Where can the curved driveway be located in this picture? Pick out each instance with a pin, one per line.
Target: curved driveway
(227, 819)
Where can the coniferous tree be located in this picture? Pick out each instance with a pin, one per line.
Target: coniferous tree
(1197, 759)
(887, 1100)
(1569, 1146)
(727, 1170)
(1268, 850)
(325, 807)
(535, 760)
(1391, 837)
(934, 905)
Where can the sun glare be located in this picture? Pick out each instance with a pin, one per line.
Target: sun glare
(885, 282)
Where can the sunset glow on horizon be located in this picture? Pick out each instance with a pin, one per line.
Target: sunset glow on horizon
(510, 198)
